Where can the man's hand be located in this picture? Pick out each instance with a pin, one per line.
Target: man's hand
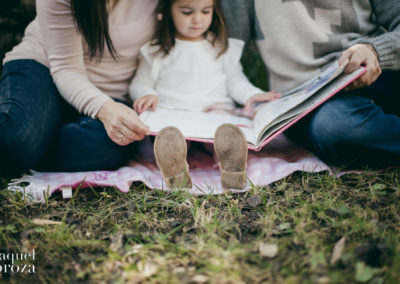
(122, 124)
(268, 96)
(361, 54)
(145, 102)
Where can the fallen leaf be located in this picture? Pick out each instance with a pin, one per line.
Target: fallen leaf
(131, 210)
(324, 280)
(116, 243)
(254, 201)
(268, 250)
(200, 278)
(132, 277)
(147, 269)
(27, 246)
(284, 226)
(179, 270)
(134, 250)
(11, 228)
(343, 210)
(379, 186)
(42, 222)
(338, 250)
(364, 273)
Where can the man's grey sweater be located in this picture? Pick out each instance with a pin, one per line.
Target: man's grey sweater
(298, 37)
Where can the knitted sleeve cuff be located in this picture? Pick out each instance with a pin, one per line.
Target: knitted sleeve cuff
(387, 51)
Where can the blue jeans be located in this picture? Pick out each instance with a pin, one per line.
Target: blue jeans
(357, 128)
(39, 130)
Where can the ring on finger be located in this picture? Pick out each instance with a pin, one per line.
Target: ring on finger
(121, 137)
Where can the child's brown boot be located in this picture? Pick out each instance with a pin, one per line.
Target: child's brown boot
(170, 150)
(230, 145)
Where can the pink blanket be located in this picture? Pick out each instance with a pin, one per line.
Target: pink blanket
(275, 161)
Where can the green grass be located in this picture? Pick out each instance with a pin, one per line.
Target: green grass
(152, 236)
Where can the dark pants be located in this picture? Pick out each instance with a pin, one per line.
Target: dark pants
(39, 130)
(357, 128)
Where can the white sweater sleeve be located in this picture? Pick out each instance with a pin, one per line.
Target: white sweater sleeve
(147, 73)
(66, 57)
(239, 87)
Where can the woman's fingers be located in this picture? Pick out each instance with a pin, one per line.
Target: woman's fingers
(132, 122)
(122, 124)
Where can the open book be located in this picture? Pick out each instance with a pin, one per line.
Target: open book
(270, 119)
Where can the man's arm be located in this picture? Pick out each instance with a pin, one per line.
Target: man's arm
(387, 45)
(379, 52)
(239, 17)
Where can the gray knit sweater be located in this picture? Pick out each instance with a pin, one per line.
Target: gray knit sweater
(296, 38)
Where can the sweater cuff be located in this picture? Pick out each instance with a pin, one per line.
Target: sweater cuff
(95, 105)
(385, 50)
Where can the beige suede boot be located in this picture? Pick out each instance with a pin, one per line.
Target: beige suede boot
(230, 145)
(170, 150)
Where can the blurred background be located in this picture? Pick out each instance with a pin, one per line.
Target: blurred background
(15, 15)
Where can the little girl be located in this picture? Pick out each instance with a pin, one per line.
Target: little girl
(191, 64)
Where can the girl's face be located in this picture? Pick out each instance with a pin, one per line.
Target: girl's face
(192, 18)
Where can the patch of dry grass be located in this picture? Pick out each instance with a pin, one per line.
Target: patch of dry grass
(152, 236)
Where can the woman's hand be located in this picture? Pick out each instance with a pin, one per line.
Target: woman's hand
(268, 96)
(361, 54)
(122, 124)
(146, 102)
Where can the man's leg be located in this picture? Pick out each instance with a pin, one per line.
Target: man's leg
(350, 129)
(29, 115)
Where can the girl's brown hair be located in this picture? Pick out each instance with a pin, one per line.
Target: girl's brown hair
(91, 19)
(165, 29)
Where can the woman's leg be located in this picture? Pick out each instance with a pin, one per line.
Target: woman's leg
(83, 145)
(351, 130)
(29, 115)
(38, 130)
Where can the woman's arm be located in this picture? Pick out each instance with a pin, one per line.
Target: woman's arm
(66, 57)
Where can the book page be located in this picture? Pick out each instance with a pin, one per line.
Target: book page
(309, 103)
(196, 125)
(268, 113)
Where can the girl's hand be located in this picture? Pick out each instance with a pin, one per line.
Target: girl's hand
(146, 102)
(122, 124)
(361, 54)
(268, 96)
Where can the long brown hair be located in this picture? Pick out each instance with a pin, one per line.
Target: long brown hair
(165, 29)
(91, 19)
